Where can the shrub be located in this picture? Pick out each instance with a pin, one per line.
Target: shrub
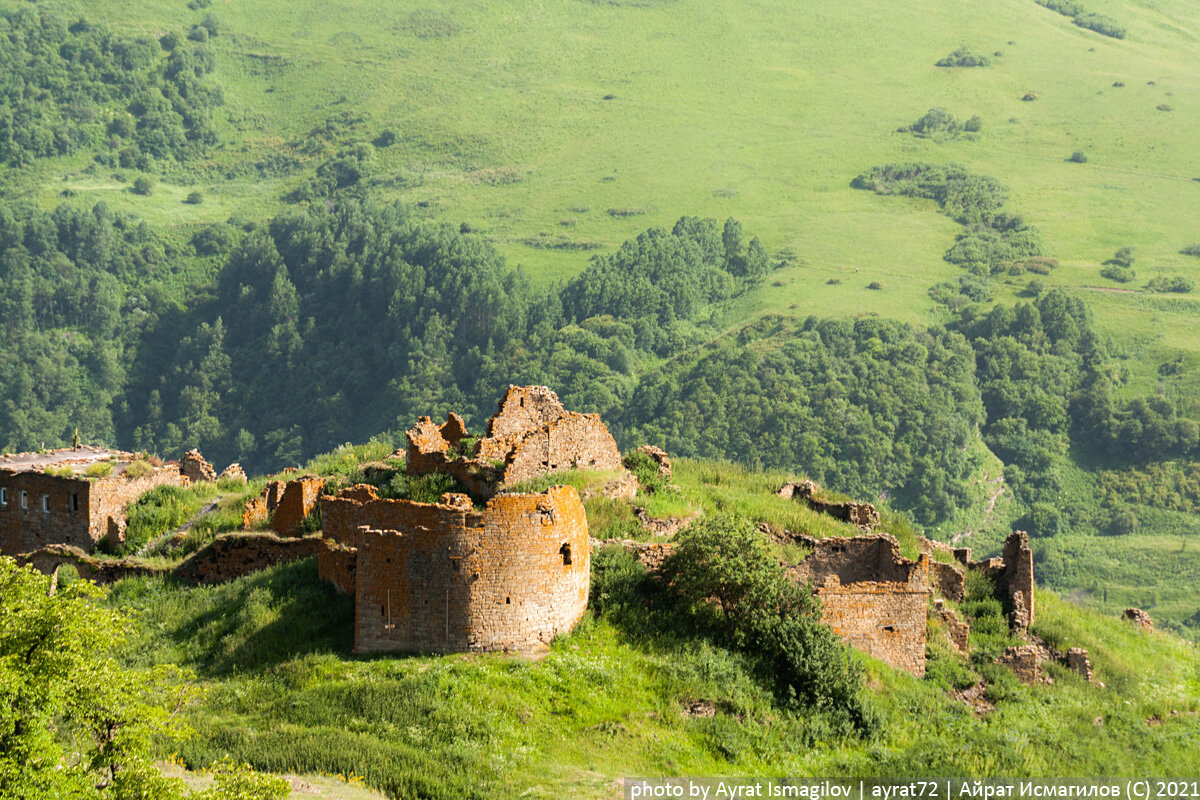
(1118, 274)
(385, 139)
(143, 186)
(1034, 288)
(99, 469)
(60, 472)
(1030, 97)
(973, 125)
(138, 469)
(1122, 258)
(1191, 250)
(1165, 107)
(1078, 157)
(1174, 283)
(875, 286)
(194, 198)
(1100, 23)
(833, 282)
(1123, 522)
(962, 57)
(198, 34)
(645, 469)
(727, 584)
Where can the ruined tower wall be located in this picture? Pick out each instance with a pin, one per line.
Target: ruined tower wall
(570, 442)
(439, 577)
(885, 620)
(874, 557)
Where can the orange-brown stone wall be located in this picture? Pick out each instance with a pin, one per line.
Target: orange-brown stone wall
(884, 620)
(572, 441)
(441, 578)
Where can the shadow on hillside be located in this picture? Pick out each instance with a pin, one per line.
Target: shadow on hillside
(253, 623)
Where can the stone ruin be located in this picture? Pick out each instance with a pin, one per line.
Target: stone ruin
(877, 601)
(530, 435)
(282, 506)
(1139, 618)
(448, 577)
(234, 472)
(195, 468)
(49, 499)
(862, 515)
(452, 576)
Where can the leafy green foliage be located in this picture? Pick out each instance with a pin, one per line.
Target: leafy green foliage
(869, 407)
(81, 87)
(938, 123)
(963, 57)
(1099, 23)
(76, 723)
(726, 583)
(1171, 283)
(993, 240)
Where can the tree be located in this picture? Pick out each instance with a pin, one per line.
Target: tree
(75, 723)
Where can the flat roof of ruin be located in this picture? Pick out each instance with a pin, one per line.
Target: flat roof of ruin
(78, 459)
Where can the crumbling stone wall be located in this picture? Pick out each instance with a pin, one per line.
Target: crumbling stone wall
(81, 511)
(284, 505)
(949, 580)
(194, 467)
(337, 563)
(530, 435)
(1026, 662)
(873, 598)
(649, 554)
(871, 557)
(447, 577)
(863, 515)
(1013, 576)
(237, 554)
(98, 570)
(1140, 618)
(234, 472)
(957, 629)
(886, 620)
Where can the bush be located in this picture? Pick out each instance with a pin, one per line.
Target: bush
(1122, 258)
(973, 125)
(138, 469)
(728, 585)
(143, 186)
(1118, 274)
(645, 469)
(1029, 97)
(1078, 157)
(1175, 283)
(875, 286)
(1165, 107)
(1191, 250)
(1123, 522)
(99, 469)
(1100, 23)
(962, 57)
(194, 198)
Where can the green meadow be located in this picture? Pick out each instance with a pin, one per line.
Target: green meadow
(558, 129)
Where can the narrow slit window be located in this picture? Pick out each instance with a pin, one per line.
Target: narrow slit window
(3, 496)
(565, 550)
(45, 504)
(24, 499)
(74, 501)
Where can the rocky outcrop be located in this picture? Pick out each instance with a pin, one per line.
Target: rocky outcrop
(659, 457)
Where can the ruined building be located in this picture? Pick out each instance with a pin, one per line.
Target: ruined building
(531, 434)
(50, 498)
(863, 515)
(456, 576)
(283, 506)
(449, 577)
(878, 601)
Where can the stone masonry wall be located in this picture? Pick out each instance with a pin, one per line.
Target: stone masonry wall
(873, 557)
(530, 435)
(337, 563)
(284, 505)
(883, 619)
(444, 577)
(109, 497)
(238, 554)
(80, 512)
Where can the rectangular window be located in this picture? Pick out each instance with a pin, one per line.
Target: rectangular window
(24, 500)
(45, 504)
(3, 496)
(74, 501)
